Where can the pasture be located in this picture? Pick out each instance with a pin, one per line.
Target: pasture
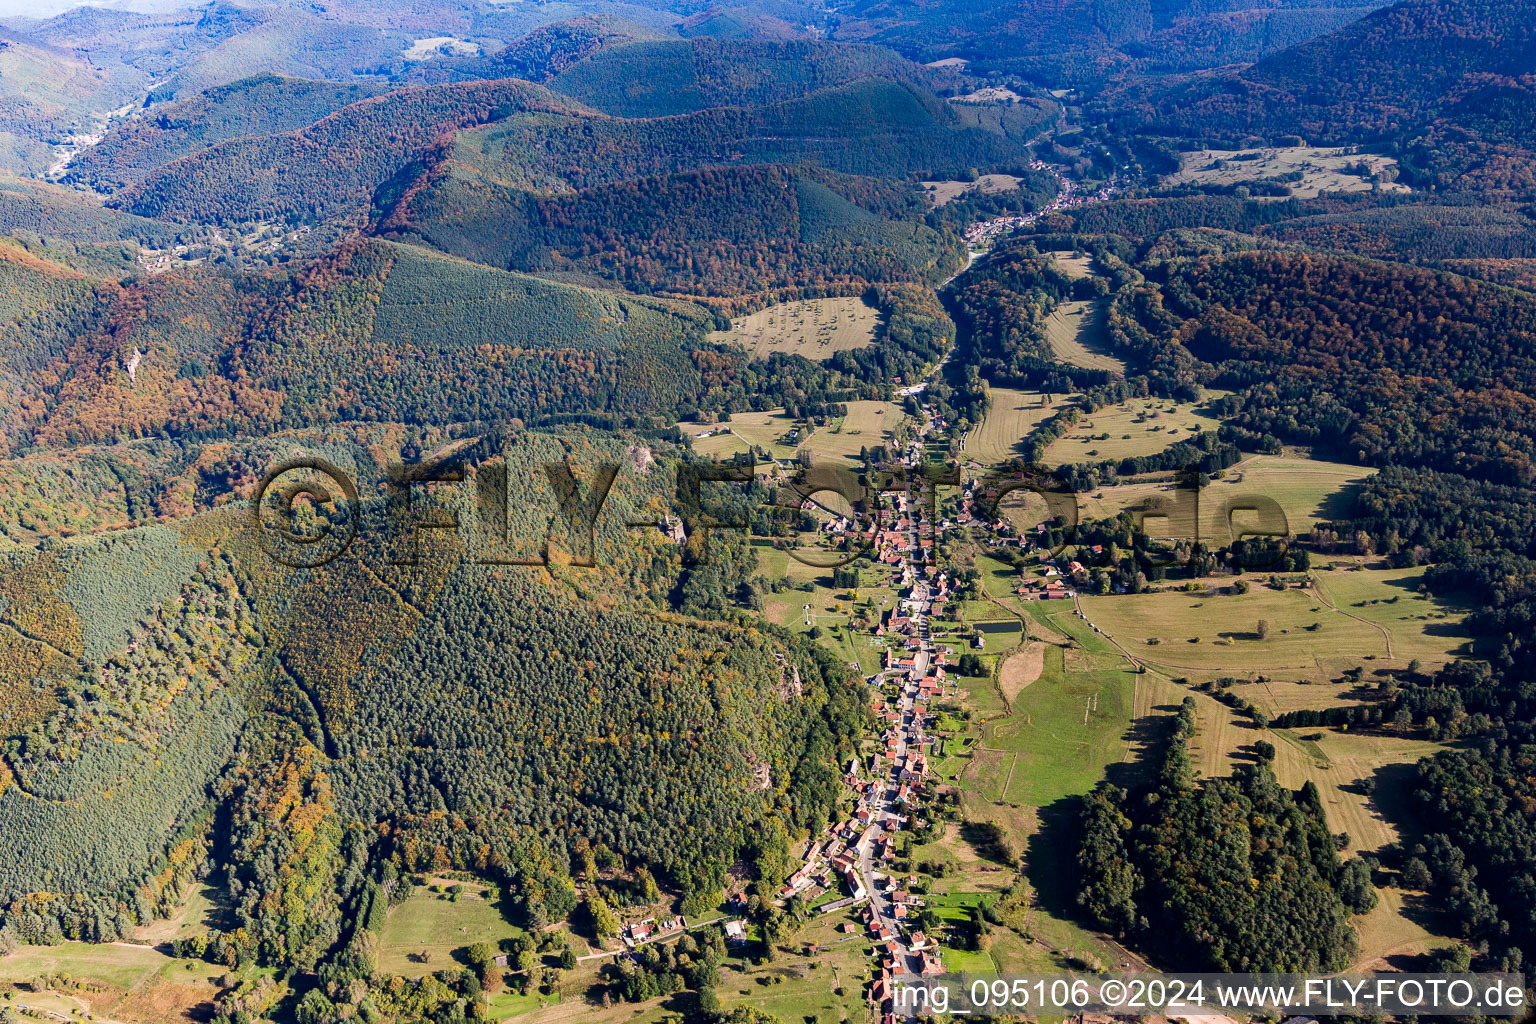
(1311, 635)
(114, 982)
(1141, 426)
(941, 192)
(868, 424)
(1075, 332)
(826, 986)
(1416, 625)
(1392, 929)
(1019, 772)
(814, 328)
(1073, 264)
(1012, 417)
(433, 924)
(1307, 490)
(1322, 168)
(1067, 725)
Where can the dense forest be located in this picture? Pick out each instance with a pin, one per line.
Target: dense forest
(876, 127)
(677, 76)
(331, 719)
(328, 167)
(259, 105)
(716, 234)
(1080, 43)
(1436, 81)
(1201, 867)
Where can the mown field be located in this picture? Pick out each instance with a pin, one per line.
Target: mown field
(1076, 334)
(1322, 168)
(1014, 415)
(1141, 426)
(1307, 491)
(867, 424)
(813, 328)
(1372, 617)
(1073, 264)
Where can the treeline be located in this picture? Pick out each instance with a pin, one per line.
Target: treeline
(1200, 869)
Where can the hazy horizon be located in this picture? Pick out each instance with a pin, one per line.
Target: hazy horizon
(49, 8)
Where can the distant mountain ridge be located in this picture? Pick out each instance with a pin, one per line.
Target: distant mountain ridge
(1084, 42)
(1398, 68)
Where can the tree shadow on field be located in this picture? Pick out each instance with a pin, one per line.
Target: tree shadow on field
(1144, 735)
(1050, 859)
(989, 840)
(1392, 798)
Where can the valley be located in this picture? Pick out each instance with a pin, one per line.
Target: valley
(714, 515)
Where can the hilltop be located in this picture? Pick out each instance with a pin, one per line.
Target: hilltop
(1442, 81)
(329, 167)
(260, 105)
(1083, 43)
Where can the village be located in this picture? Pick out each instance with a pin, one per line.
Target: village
(893, 787)
(982, 234)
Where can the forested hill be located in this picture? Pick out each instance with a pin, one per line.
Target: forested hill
(878, 127)
(259, 105)
(719, 234)
(175, 687)
(372, 332)
(1081, 42)
(1402, 62)
(655, 79)
(331, 166)
(1446, 82)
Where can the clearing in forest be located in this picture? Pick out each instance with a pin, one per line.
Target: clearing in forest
(814, 328)
(1012, 417)
(1321, 169)
(1075, 332)
(1141, 426)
